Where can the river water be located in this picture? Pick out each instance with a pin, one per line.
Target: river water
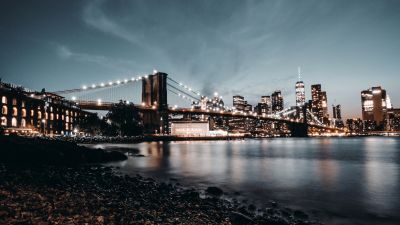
(339, 180)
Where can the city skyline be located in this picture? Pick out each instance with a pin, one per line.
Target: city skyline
(249, 48)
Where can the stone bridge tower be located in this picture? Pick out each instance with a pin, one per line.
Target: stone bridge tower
(154, 97)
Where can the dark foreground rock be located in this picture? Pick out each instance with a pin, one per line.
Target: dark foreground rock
(15, 149)
(214, 191)
(98, 195)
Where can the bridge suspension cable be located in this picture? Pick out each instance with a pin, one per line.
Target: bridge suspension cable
(183, 92)
(185, 86)
(313, 117)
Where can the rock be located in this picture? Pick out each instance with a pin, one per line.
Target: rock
(238, 218)
(273, 204)
(300, 214)
(215, 191)
(251, 207)
(190, 195)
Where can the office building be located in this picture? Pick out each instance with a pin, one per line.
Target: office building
(277, 101)
(319, 103)
(238, 103)
(375, 104)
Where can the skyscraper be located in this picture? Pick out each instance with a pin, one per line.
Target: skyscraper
(238, 103)
(337, 114)
(324, 104)
(264, 107)
(319, 103)
(316, 104)
(277, 101)
(374, 103)
(300, 92)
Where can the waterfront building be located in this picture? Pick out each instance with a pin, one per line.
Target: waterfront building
(355, 126)
(369, 125)
(393, 119)
(277, 101)
(375, 104)
(26, 111)
(190, 128)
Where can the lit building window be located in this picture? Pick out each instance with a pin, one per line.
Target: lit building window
(39, 115)
(67, 112)
(23, 112)
(66, 126)
(23, 123)
(57, 117)
(46, 115)
(32, 112)
(14, 101)
(4, 110)
(3, 121)
(23, 103)
(4, 100)
(15, 111)
(67, 119)
(51, 116)
(51, 109)
(14, 122)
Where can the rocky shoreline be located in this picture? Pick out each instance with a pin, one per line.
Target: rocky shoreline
(94, 194)
(46, 181)
(37, 150)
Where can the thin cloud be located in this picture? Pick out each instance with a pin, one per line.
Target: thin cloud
(66, 53)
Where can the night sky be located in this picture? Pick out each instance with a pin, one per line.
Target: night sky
(233, 47)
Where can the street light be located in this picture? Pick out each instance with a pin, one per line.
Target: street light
(44, 126)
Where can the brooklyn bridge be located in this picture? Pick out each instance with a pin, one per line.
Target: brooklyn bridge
(156, 112)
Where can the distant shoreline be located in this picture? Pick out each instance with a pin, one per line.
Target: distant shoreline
(141, 139)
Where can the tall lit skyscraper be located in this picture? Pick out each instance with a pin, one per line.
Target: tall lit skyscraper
(316, 104)
(300, 91)
(277, 101)
(375, 103)
(319, 103)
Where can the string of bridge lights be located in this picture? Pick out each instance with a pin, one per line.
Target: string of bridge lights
(115, 83)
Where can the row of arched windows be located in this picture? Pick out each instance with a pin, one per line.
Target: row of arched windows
(4, 111)
(14, 122)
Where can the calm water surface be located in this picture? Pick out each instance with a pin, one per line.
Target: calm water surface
(341, 180)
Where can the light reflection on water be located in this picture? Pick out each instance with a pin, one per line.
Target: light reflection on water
(340, 179)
